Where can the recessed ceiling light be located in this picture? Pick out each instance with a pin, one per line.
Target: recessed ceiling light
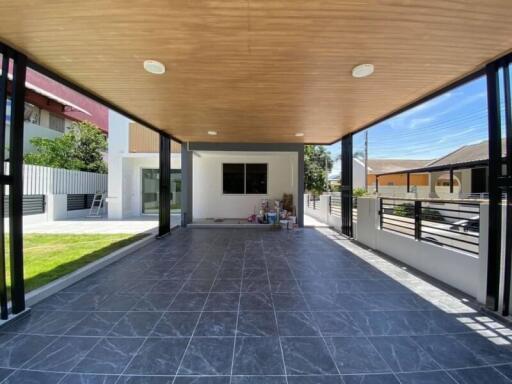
(212, 133)
(362, 70)
(154, 67)
(299, 134)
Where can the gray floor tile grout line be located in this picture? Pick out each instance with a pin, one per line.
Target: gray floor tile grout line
(154, 326)
(200, 315)
(269, 266)
(274, 310)
(319, 329)
(237, 315)
(446, 370)
(59, 337)
(493, 366)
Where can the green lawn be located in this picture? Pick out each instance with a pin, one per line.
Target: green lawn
(48, 257)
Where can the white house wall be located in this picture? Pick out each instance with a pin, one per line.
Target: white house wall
(117, 148)
(210, 202)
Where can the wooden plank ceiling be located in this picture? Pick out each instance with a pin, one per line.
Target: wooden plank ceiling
(259, 70)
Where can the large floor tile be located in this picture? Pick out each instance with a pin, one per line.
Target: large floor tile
(258, 356)
(208, 356)
(297, 324)
(403, 355)
(111, 355)
(176, 324)
(356, 355)
(34, 377)
(257, 323)
(21, 348)
(449, 353)
(158, 357)
(307, 356)
(217, 324)
(62, 355)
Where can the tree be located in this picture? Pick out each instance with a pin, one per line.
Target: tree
(317, 165)
(80, 148)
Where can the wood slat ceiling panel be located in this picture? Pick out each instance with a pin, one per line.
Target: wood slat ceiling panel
(260, 70)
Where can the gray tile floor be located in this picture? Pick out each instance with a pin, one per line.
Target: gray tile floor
(254, 306)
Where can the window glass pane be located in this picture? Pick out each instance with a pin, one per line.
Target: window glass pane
(256, 178)
(150, 191)
(56, 123)
(32, 113)
(233, 178)
(175, 183)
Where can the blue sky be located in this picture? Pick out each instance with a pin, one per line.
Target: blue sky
(430, 130)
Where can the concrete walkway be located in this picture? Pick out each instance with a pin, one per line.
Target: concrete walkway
(98, 225)
(310, 221)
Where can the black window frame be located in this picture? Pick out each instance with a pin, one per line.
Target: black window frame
(244, 192)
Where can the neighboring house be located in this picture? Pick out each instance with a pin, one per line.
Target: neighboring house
(51, 108)
(428, 178)
(469, 181)
(133, 170)
(389, 184)
(470, 170)
(393, 184)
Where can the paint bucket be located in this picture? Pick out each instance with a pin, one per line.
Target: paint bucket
(272, 217)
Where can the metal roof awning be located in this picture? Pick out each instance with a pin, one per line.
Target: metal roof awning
(51, 96)
(435, 168)
(56, 98)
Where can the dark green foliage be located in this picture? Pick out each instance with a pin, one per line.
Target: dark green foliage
(81, 148)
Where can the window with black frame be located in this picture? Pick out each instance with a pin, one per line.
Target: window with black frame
(256, 179)
(233, 179)
(240, 179)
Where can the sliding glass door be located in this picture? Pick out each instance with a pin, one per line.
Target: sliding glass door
(150, 191)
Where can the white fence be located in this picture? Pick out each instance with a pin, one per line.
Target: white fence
(39, 180)
(462, 270)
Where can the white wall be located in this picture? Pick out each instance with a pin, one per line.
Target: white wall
(125, 170)
(460, 270)
(117, 148)
(358, 173)
(132, 188)
(210, 202)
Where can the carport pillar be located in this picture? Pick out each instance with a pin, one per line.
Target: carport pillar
(186, 185)
(300, 196)
(15, 179)
(494, 238)
(346, 185)
(164, 206)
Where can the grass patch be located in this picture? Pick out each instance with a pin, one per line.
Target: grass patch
(50, 256)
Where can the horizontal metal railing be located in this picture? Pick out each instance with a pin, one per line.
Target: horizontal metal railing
(335, 204)
(313, 202)
(448, 223)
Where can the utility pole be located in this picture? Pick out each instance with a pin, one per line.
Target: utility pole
(366, 160)
(327, 172)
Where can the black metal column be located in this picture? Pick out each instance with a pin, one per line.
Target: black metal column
(300, 197)
(508, 189)
(3, 99)
(494, 248)
(451, 180)
(408, 182)
(186, 185)
(16, 185)
(346, 185)
(164, 226)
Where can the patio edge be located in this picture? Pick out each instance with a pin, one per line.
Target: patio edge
(55, 286)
